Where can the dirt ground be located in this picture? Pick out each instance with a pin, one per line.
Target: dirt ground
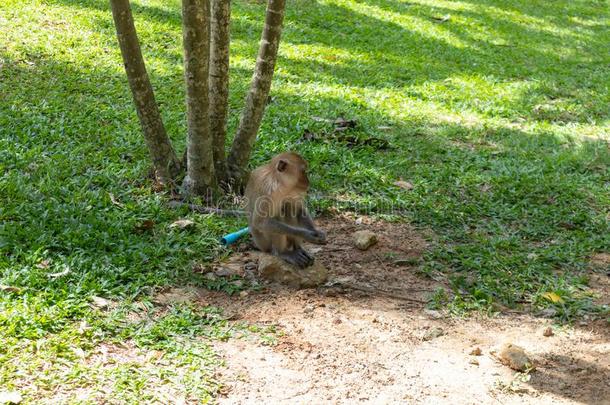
(379, 343)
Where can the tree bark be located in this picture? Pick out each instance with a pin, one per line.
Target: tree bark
(196, 37)
(256, 99)
(164, 158)
(219, 82)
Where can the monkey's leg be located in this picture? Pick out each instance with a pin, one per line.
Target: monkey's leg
(296, 257)
(273, 225)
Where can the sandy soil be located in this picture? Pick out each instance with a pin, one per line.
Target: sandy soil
(379, 344)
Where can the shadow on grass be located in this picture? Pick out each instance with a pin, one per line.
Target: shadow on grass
(512, 208)
(383, 54)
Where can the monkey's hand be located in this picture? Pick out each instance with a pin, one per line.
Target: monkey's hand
(316, 236)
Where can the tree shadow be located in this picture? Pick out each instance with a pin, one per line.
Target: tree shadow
(571, 376)
(560, 83)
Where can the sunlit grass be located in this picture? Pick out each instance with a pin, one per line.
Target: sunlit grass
(499, 116)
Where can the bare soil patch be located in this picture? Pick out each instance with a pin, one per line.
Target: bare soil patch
(379, 344)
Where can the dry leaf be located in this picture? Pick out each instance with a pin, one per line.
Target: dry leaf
(43, 264)
(182, 224)
(145, 226)
(551, 296)
(405, 185)
(65, 271)
(476, 351)
(115, 201)
(9, 288)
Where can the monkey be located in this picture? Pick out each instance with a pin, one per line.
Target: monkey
(277, 214)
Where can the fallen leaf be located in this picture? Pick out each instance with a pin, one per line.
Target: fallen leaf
(115, 201)
(43, 264)
(442, 19)
(65, 271)
(9, 288)
(145, 226)
(476, 351)
(551, 296)
(404, 184)
(343, 123)
(182, 224)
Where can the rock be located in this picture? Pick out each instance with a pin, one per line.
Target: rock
(548, 332)
(548, 312)
(227, 271)
(176, 296)
(364, 239)
(433, 333)
(100, 302)
(275, 269)
(515, 357)
(10, 397)
(476, 351)
(432, 313)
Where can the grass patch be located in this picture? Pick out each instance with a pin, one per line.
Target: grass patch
(498, 117)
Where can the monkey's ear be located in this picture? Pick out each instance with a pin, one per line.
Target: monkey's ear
(281, 165)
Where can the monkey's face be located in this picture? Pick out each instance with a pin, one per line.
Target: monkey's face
(293, 173)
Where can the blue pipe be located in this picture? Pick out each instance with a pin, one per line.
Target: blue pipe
(232, 237)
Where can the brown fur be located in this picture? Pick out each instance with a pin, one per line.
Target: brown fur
(276, 208)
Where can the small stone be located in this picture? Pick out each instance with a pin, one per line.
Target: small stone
(548, 312)
(515, 357)
(308, 309)
(548, 332)
(10, 397)
(474, 362)
(432, 313)
(337, 321)
(176, 296)
(277, 270)
(210, 276)
(433, 333)
(364, 239)
(243, 294)
(476, 351)
(224, 272)
(100, 302)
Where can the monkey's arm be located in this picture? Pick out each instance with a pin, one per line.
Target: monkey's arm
(274, 225)
(306, 222)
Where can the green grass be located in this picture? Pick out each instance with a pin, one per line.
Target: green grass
(499, 118)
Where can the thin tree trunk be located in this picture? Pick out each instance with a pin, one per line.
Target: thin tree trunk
(196, 37)
(219, 82)
(164, 158)
(256, 100)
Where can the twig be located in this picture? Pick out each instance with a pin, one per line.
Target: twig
(206, 210)
(372, 290)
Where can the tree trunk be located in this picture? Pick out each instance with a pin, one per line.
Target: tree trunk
(259, 90)
(164, 158)
(196, 37)
(219, 82)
